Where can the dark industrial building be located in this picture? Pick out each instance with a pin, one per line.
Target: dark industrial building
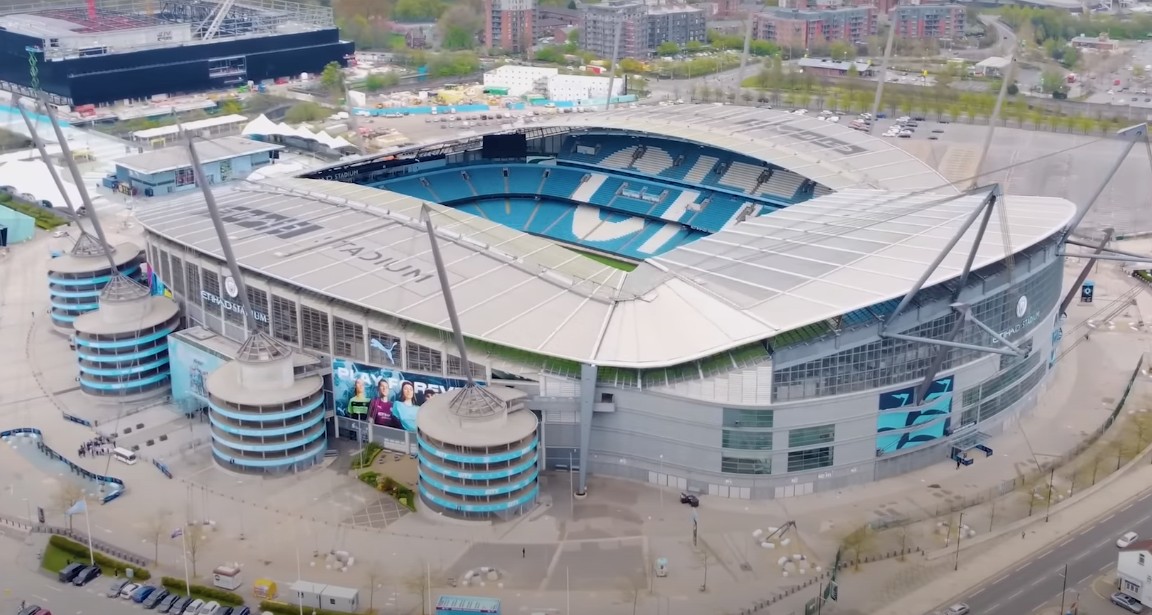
(112, 50)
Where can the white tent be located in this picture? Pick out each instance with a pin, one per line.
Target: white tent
(264, 127)
(260, 126)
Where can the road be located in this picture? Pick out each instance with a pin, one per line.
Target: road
(21, 581)
(1087, 553)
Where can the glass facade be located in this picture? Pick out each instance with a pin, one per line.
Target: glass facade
(885, 362)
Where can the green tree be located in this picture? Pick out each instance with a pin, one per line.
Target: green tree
(303, 112)
(413, 11)
(332, 79)
(1051, 80)
(630, 66)
(668, 48)
(378, 81)
(551, 55)
(693, 46)
(763, 49)
(573, 37)
(1013, 89)
(840, 50)
(459, 27)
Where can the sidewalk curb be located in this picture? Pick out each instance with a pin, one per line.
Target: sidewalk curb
(1006, 563)
(1058, 508)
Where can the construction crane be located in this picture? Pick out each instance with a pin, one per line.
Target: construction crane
(218, 18)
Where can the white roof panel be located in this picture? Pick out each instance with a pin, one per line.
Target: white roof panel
(769, 274)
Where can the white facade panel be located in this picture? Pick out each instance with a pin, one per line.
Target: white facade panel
(578, 88)
(520, 80)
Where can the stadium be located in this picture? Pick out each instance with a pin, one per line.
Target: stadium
(731, 301)
(122, 50)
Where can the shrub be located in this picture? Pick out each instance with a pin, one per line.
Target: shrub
(203, 592)
(44, 217)
(283, 608)
(81, 553)
(367, 456)
(387, 484)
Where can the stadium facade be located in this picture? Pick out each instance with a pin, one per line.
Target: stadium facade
(804, 335)
(116, 50)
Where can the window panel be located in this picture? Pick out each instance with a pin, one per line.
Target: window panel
(810, 459)
(212, 287)
(385, 349)
(347, 339)
(258, 299)
(192, 276)
(456, 368)
(746, 440)
(740, 465)
(284, 322)
(314, 326)
(177, 280)
(747, 417)
(424, 359)
(807, 436)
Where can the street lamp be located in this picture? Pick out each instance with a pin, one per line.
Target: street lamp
(661, 481)
(959, 534)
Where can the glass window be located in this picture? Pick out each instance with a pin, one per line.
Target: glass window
(259, 301)
(233, 316)
(284, 322)
(314, 325)
(807, 436)
(810, 459)
(384, 349)
(740, 465)
(212, 287)
(456, 368)
(347, 339)
(747, 417)
(424, 359)
(747, 440)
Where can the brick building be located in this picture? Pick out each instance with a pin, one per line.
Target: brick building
(929, 21)
(509, 24)
(642, 27)
(799, 29)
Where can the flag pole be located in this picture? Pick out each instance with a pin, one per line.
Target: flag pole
(299, 597)
(88, 526)
(184, 547)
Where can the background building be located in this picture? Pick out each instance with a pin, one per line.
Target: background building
(642, 27)
(509, 25)
(803, 29)
(927, 21)
(583, 88)
(832, 68)
(136, 49)
(520, 80)
(169, 170)
(548, 82)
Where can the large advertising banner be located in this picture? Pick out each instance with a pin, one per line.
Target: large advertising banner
(190, 369)
(937, 404)
(388, 396)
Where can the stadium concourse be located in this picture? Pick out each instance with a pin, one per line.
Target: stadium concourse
(723, 300)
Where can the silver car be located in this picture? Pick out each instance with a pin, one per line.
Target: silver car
(1126, 602)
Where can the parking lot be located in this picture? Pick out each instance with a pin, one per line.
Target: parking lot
(144, 595)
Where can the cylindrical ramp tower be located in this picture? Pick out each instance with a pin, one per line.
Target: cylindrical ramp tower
(264, 419)
(76, 279)
(479, 454)
(122, 347)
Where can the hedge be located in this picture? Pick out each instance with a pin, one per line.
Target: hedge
(80, 552)
(222, 596)
(283, 608)
(45, 218)
(389, 485)
(366, 456)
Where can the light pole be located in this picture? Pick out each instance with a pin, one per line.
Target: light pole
(1064, 589)
(661, 481)
(1048, 508)
(959, 533)
(28, 506)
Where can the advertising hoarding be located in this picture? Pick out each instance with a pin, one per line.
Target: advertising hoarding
(387, 396)
(190, 369)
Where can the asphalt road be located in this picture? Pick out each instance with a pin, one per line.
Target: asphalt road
(1087, 552)
(21, 581)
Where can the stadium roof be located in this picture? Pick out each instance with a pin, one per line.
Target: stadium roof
(758, 278)
(828, 153)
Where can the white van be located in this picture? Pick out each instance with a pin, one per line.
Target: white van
(126, 456)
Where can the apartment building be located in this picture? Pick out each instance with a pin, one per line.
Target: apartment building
(929, 21)
(509, 24)
(802, 29)
(643, 27)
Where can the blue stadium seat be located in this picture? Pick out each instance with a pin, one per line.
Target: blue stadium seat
(562, 182)
(487, 179)
(525, 178)
(717, 213)
(450, 186)
(552, 220)
(411, 186)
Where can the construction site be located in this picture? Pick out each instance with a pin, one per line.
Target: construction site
(105, 51)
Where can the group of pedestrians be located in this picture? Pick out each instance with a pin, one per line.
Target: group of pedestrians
(100, 445)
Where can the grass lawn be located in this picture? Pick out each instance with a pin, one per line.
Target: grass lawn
(608, 260)
(55, 560)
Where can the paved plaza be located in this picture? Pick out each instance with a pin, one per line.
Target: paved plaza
(602, 549)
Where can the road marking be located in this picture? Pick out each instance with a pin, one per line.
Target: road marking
(1065, 542)
(1023, 566)
(1127, 507)
(978, 592)
(1044, 554)
(1013, 596)
(994, 607)
(40, 598)
(1105, 519)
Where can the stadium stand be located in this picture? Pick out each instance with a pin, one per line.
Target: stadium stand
(546, 220)
(715, 211)
(700, 169)
(783, 184)
(741, 176)
(416, 187)
(563, 183)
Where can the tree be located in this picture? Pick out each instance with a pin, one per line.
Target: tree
(668, 48)
(378, 81)
(412, 11)
(332, 78)
(858, 542)
(155, 528)
(459, 27)
(573, 37)
(1013, 89)
(419, 583)
(374, 575)
(693, 46)
(65, 497)
(631, 66)
(195, 540)
(305, 112)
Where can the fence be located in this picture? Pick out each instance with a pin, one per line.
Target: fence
(116, 487)
(80, 537)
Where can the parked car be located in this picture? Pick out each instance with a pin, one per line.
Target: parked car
(1127, 539)
(86, 576)
(69, 572)
(210, 608)
(194, 607)
(165, 603)
(156, 598)
(1126, 602)
(689, 499)
(116, 588)
(30, 609)
(179, 606)
(129, 589)
(140, 595)
(241, 610)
